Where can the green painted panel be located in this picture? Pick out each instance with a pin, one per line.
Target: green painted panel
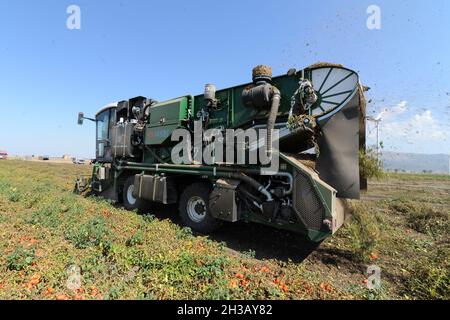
(237, 114)
(165, 117)
(168, 112)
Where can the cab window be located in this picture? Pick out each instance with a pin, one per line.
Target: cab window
(103, 140)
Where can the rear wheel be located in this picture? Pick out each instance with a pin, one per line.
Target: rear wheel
(130, 202)
(194, 208)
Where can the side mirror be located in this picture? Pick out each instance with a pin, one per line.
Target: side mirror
(80, 118)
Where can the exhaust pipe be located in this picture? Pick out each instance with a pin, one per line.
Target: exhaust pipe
(262, 95)
(276, 98)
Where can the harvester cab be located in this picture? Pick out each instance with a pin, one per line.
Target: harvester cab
(281, 151)
(104, 120)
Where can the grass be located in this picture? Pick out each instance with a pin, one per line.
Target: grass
(363, 231)
(371, 167)
(46, 231)
(20, 258)
(423, 218)
(431, 276)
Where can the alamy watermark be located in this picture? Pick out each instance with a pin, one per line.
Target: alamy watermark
(374, 279)
(73, 277)
(73, 21)
(374, 20)
(231, 146)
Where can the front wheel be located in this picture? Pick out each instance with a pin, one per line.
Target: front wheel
(130, 202)
(194, 209)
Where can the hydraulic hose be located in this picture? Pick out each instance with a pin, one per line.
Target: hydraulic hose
(252, 182)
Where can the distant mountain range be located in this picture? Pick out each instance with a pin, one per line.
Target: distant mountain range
(415, 162)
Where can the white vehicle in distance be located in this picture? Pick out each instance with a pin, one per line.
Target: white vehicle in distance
(79, 161)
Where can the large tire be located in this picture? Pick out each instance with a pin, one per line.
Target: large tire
(132, 203)
(194, 209)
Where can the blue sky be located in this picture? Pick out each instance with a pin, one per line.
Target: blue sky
(163, 49)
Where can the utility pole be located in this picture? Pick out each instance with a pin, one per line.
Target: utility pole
(377, 121)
